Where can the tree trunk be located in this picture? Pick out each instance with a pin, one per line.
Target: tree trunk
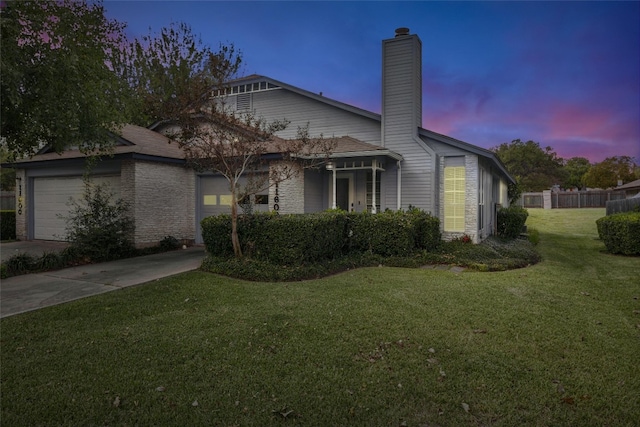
(235, 241)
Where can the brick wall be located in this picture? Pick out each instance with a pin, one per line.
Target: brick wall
(290, 191)
(471, 197)
(21, 218)
(163, 200)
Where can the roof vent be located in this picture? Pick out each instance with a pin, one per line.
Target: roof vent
(402, 31)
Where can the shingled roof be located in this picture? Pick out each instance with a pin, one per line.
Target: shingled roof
(131, 141)
(137, 141)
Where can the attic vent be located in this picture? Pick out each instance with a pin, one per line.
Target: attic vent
(243, 102)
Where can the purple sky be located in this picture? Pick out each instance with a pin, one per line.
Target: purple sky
(564, 74)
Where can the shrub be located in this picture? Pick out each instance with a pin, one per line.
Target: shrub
(295, 239)
(280, 239)
(48, 261)
(388, 233)
(19, 264)
(8, 225)
(310, 238)
(168, 243)
(216, 235)
(99, 227)
(620, 233)
(426, 229)
(511, 221)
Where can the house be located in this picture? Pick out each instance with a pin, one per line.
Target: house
(381, 161)
(631, 189)
(145, 170)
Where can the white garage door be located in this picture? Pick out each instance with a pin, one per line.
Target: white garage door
(51, 203)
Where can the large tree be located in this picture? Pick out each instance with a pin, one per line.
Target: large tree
(58, 86)
(610, 172)
(173, 74)
(534, 168)
(576, 169)
(183, 83)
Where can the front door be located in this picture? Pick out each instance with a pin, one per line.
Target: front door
(342, 194)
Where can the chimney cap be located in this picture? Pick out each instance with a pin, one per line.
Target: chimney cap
(402, 31)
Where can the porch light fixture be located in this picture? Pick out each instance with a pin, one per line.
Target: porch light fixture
(329, 166)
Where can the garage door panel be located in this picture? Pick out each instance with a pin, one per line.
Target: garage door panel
(51, 202)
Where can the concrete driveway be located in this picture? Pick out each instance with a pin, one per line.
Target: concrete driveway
(33, 291)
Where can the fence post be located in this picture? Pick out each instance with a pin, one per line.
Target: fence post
(546, 199)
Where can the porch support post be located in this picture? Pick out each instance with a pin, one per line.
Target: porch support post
(374, 209)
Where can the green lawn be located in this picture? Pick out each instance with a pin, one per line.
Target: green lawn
(554, 344)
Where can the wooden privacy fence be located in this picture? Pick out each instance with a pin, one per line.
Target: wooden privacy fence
(625, 205)
(569, 199)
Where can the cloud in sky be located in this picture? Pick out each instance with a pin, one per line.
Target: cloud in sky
(564, 74)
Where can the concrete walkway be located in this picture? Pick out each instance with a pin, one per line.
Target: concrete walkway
(33, 291)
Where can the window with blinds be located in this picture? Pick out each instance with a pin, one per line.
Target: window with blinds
(454, 186)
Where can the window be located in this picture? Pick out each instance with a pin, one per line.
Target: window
(454, 186)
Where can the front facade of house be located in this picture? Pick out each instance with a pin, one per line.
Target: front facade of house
(381, 161)
(406, 164)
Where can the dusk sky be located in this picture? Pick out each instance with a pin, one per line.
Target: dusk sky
(564, 74)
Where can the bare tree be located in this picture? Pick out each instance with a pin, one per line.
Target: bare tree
(184, 84)
(237, 147)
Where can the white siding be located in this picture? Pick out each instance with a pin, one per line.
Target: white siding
(401, 117)
(401, 91)
(279, 104)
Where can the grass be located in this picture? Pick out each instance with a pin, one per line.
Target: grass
(553, 344)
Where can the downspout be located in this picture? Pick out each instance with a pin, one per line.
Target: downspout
(399, 183)
(333, 204)
(374, 209)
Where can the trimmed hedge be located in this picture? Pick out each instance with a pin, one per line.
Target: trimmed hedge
(8, 224)
(311, 238)
(620, 233)
(280, 239)
(511, 221)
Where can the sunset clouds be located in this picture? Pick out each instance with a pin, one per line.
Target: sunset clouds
(564, 74)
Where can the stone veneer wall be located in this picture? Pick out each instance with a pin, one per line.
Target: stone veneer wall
(162, 197)
(290, 191)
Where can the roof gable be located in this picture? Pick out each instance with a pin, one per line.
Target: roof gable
(257, 79)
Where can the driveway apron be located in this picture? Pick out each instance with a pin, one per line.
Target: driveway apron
(33, 291)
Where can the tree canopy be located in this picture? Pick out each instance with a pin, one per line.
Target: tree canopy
(58, 86)
(173, 74)
(534, 168)
(610, 171)
(576, 168)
